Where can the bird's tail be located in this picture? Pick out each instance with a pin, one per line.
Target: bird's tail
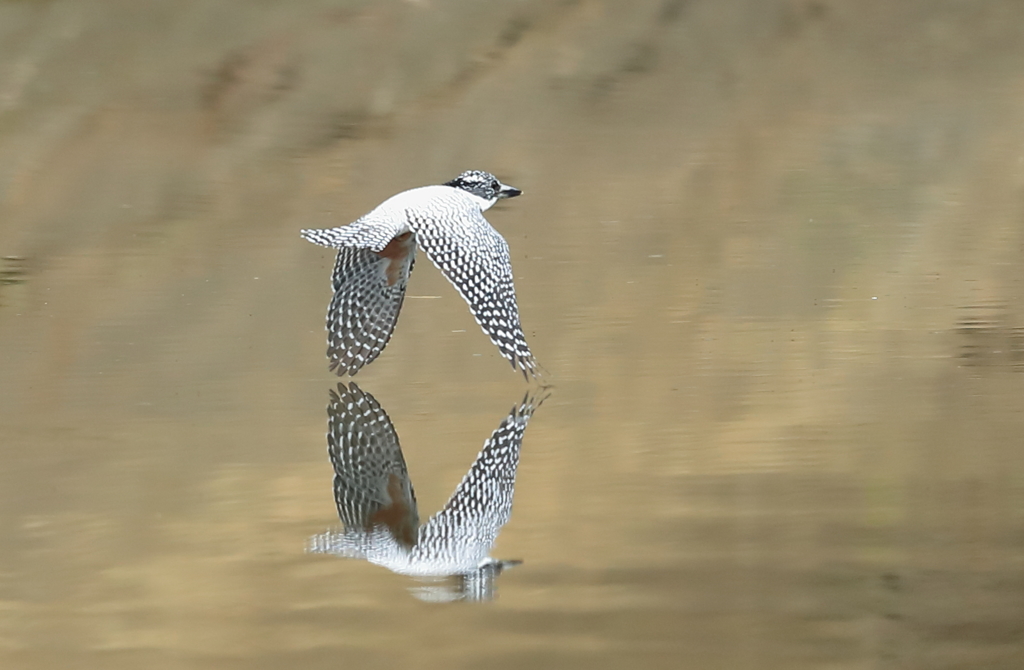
(365, 233)
(334, 238)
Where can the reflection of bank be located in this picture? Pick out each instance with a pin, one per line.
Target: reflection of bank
(377, 504)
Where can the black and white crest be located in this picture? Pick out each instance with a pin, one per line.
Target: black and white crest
(477, 182)
(483, 185)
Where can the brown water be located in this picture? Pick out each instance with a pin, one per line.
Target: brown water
(771, 252)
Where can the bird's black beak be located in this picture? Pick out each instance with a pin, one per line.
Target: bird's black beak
(508, 191)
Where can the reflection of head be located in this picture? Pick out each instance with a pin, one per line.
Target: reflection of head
(377, 505)
(474, 586)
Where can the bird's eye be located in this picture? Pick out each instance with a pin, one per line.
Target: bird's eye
(494, 185)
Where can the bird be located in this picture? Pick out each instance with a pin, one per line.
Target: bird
(377, 505)
(376, 254)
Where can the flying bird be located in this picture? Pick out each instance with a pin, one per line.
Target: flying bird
(376, 254)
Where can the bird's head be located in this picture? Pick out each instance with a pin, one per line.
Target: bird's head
(483, 185)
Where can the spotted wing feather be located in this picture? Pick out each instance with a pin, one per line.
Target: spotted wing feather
(371, 483)
(369, 290)
(482, 502)
(475, 258)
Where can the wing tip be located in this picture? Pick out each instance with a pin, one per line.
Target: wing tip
(528, 365)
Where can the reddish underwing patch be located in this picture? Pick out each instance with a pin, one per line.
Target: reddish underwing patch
(397, 251)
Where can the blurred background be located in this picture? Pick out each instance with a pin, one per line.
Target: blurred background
(770, 251)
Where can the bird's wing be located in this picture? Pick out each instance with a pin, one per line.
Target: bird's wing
(474, 257)
(482, 502)
(371, 484)
(369, 289)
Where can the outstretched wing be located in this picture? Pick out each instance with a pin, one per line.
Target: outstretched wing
(474, 257)
(481, 504)
(371, 484)
(369, 289)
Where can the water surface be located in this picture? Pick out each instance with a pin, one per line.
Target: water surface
(769, 251)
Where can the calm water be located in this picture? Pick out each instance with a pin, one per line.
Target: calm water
(771, 253)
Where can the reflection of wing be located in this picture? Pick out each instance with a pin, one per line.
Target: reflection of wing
(455, 542)
(482, 503)
(369, 288)
(371, 484)
(474, 257)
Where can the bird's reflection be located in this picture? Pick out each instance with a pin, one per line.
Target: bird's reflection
(377, 504)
